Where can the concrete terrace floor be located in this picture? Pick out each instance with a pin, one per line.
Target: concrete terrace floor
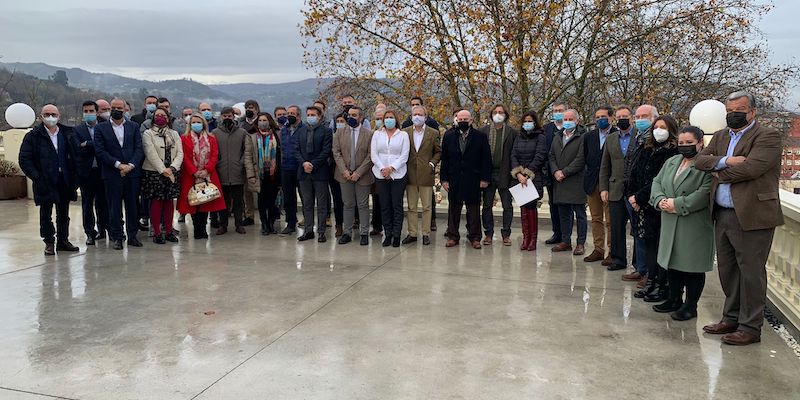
(252, 317)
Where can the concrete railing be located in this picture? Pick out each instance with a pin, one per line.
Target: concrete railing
(783, 266)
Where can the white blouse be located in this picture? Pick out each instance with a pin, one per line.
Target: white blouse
(392, 152)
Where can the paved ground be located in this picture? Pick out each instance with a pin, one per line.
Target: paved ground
(252, 317)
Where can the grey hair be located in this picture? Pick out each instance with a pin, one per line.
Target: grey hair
(653, 110)
(118, 99)
(742, 93)
(424, 111)
(575, 112)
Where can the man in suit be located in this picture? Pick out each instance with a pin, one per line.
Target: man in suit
(466, 170)
(48, 157)
(553, 128)
(501, 139)
(118, 145)
(424, 153)
(594, 142)
(351, 154)
(313, 147)
(612, 184)
(150, 105)
(93, 192)
(744, 160)
(430, 122)
(103, 110)
(567, 165)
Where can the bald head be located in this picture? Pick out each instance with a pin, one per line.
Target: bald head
(50, 109)
(464, 115)
(103, 106)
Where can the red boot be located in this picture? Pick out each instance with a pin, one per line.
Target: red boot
(533, 229)
(523, 213)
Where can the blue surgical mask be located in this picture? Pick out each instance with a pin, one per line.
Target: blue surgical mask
(378, 123)
(207, 115)
(528, 126)
(558, 116)
(197, 127)
(340, 125)
(603, 123)
(127, 115)
(569, 125)
(312, 120)
(150, 107)
(642, 124)
(90, 118)
(390, 123)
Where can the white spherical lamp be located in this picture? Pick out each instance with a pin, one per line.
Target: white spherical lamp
(708, 115)
(20, 115)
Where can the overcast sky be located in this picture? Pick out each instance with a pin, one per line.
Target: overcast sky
(222, 41)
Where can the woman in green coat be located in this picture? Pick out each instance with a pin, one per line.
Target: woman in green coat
(686, 246)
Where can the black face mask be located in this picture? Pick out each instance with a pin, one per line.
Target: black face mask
(117, 115)
(736, 119)
(292, 119)
(249, 114)
(688, 151)
(463, 125)
(624, 124)
(228, 123)
(352, 122)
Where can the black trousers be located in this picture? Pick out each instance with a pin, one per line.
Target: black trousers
(391, 193)
(94, 205)
(335, 202)
(289, 185)
(199, 220)
(119, 190)
(619, 220)
(454, 220)
(234, 195)
(554, 214)
(268, 211)
(433, 208)
(46, 228)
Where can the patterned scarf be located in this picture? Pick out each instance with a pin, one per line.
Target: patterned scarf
(201, 151)
(267, 149)
(169, 143)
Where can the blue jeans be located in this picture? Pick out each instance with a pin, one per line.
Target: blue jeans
(639, 246)
(566, 213)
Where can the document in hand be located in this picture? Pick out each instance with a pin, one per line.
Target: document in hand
(524, 194)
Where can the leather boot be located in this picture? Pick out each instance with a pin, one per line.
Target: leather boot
(533, 228)
(694, 288)
(662, 291)
(675, 300)
(523, 216)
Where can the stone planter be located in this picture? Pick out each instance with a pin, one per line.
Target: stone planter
(13, 187)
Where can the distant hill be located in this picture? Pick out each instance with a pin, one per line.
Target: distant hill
(270, 95)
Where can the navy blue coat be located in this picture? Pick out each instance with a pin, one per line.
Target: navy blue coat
(86, 154)
(108, 150)
(593, 155)
(39, 161)
(317, 155)
(464, 172)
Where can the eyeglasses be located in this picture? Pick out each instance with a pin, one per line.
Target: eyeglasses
(50, 114)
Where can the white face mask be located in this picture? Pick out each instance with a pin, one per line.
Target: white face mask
(418, 120)
(187, 118)
(498, 118)
(106, 115)
(660, 135)
(50, 121)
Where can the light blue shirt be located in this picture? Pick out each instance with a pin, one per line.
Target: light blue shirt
(625, 141)
(723, 196)
(603, 136)
(91, 135)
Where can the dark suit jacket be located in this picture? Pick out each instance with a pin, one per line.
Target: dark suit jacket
(503, 175)
(464, 172)
(612, 167)
(593, 155)
(109, 151)
(86, 154)
(317, 154)
(550, 131)
(39, 161)
(754, 183)
(568, 158)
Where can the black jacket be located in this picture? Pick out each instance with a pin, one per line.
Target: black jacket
(86, 154)
(39, 161)
(529, 156)
(643, 171)
(593, 155)
(109, 151)
(464, 172)
(317, 154)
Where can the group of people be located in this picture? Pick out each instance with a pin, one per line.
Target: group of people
(634, 166)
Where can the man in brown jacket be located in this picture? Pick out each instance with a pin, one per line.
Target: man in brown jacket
(423, 156)
(351, 146)
(744, 160)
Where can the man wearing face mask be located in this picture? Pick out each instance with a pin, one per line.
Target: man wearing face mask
(103, 110)
(208, 115)
(290, 165)
(425, 152)
(250, 125)
(335, 203)
(181, 124)
(231, 140)
(280, 115)
(501, 139)
(594, 142)
(744, 160)
(351, 152)
(417, 101)
(313, 148)
(118, 144)
(553, 128)
(93, 196)
(150, 104)
(567, 164)
(48, 157)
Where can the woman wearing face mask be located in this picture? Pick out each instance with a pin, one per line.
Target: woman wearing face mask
(163, 158)
(528, 158)
(200, 155)
(262, 160)
(389, 152)
(686, 245)
(658, 148)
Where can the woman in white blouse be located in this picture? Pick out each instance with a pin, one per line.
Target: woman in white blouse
(389, 153)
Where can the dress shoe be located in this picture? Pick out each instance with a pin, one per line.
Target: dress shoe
(364, 240)
(451, 243)
(375, 232)
(616, 267)
(100, 236)
(487, 240)
(65, 245)
(305, 236)
(264, 230)
(426, 240)
(648, 288)
(579, 250)
(221, 230)
(345, 238)
(506, 241)
(658, 295)
(321, 238)
(409, 239)
(606, 262)
(642, 282)
(117, 245)
(301, 223)
(339, 230)
(553, 240)
(159, 239)
(134, 242)
(433, 227)
(144, 225)
(668, 306)
(240, 230)
(632, 277)
(248, 222)
(595, 256)
(740, 338)
(182, 219)
(720, 328)
(201, 235)
(172, 238)
(387, 241)
(90, 240)
(396, 241)
(49, 249)
(561, 247)
(684, 313)
(214, 224)
(328, 222)
(476, 245)
(288, 230)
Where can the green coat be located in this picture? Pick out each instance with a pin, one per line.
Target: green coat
(687, 238)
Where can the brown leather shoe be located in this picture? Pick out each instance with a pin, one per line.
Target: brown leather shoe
(339, 231)
(476, 245)
(632, 277)
(240, 230)
(579, 250)
(595, 256)
(222, 230)
(451, 243)
(561, 247)
(740, 338)
(487, 240)
(506, 241)
(642, 282)
(607, 261)
(720, 328)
